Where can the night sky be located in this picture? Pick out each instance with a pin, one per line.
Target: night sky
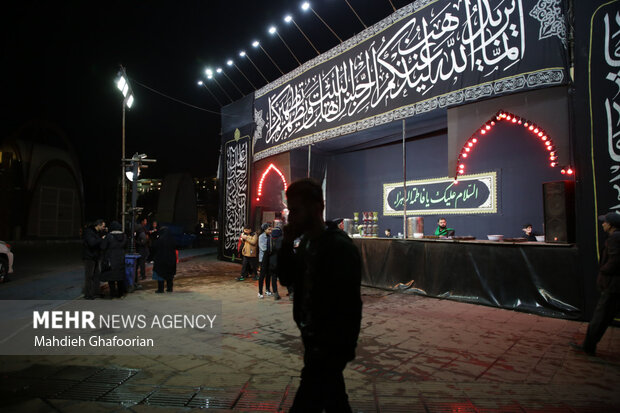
(61, 59)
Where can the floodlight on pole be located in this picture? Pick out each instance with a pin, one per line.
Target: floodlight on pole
(122, 84)
(244, 54)
(306, 6)
(232, 63)
(211, 76)
(220, 70)
(201, 83)
(256, 43)
(288, 19)
(273, 30)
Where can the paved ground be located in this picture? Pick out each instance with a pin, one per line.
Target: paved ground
(416, 354)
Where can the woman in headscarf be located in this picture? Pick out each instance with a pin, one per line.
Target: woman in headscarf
(164, 260)
(113, 263)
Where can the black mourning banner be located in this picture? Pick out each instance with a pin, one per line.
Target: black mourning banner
(604, 88)
(236, 153)
(425, 56)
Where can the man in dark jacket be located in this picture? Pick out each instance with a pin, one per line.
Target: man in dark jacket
(326, 273)
(164, 260)
(113, 262)
(608, 282)
(91, 254)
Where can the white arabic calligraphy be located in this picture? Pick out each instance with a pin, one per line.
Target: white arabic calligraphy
(422, 53)
(612, 106)
(236, 188)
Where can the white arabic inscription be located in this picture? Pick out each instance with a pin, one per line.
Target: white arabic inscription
(423, 53)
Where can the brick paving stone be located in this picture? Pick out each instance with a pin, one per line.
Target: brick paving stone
(415, 354)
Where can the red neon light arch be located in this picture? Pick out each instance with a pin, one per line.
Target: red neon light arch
(271, 167)
(500, 116)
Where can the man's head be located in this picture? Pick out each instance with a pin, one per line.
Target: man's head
(305, 204)
(610, 221)
(388, 232)
(266, 228)
(99, 225)
(527, 228)
(442, 223)
(144, 222)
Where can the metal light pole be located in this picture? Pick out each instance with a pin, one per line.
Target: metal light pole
(135, 162)
(123, 85)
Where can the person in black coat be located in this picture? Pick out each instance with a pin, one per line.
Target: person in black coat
(164, 260)
(608, 282)
(325, 270)
(91, 254)
(113, 262)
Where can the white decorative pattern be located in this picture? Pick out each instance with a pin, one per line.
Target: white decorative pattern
(551, 17)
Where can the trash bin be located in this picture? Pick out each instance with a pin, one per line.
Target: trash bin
(131, 264)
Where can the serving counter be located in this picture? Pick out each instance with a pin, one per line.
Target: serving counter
(536, 277)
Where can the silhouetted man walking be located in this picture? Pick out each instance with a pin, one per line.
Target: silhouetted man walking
(325, 270)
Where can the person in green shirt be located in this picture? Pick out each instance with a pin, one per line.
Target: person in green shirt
(442, 228)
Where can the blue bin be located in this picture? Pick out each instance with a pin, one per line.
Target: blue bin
(131, 264)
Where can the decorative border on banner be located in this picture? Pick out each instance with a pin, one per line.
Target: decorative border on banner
(492, 209)
(539, 78)
(346, 45)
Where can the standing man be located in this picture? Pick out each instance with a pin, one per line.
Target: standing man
(442, 229)
(91, 254)
(264, 252)
(325, 270)
(249, 251)
(608, 282)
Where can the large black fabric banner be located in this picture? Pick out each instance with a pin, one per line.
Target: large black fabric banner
(425, 56)
(235, 203)
(604, 89)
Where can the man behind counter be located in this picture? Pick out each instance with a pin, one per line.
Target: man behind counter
(442, 228)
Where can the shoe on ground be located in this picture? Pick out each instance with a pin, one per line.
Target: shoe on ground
(159, 291)
(240, 279)
(168, 291)
(580, 347)
(268, 293)
(276, 297)
(256, 277)
(260, 295)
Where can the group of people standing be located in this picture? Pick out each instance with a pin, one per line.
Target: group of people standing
(261, 250)
(104, 258)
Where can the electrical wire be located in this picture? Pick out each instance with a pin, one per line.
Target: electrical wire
(176, 100)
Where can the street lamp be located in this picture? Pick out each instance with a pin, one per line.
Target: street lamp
(122, 83)
(201, 83)
(209, 74)
(132, 172)
(306, 6)
(244, 54)
(220, 70)
(230, 62)
(273, 30)
(256, 44)
(288, 18)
